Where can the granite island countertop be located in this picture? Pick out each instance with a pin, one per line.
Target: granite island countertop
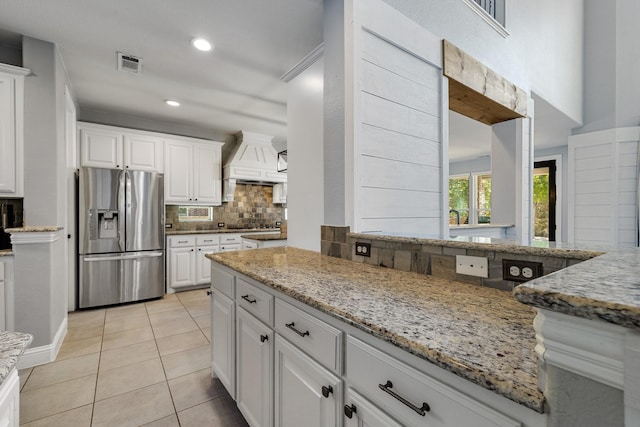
(603, 288)
(264, 237)
(34, 229)
(220, 230)
(6, 252)
(12, 345)
(478, 333)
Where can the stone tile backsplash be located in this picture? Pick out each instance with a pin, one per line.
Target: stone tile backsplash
(431, 259)
(253, 207)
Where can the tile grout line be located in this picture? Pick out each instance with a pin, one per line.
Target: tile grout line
(95, 389)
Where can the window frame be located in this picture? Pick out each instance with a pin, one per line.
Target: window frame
(473, 194)
(499, 22)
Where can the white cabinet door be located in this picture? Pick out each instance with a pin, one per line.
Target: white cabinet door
(280, 193)
(254, 355)
(182, 266)
(143, 152)
(306, 394)
(207, 183)
(10, 400)
(7, 136)
(178, 171)
(101, 148)
(223, 352)
(203, 265)
(359, 412)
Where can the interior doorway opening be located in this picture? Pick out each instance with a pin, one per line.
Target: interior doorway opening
(544, 200)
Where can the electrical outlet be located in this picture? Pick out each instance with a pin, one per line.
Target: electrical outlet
(168, 225)
(477, 266)
(363, 249)
(220, 224)
(520, 271)
(278, 223)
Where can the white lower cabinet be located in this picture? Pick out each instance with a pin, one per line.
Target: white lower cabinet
(223, 354)
(306, 394)
(10, 400)
(203, 265)
(254, 357)
(359, 412)
(182, 267)
(309, 378)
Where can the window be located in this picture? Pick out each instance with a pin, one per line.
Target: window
(470, 199)
(492, 12)
(195, 213)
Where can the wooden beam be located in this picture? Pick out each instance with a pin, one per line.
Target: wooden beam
(478, 92)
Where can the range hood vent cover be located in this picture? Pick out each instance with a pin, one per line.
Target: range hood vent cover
(129, 63)
(252, 160)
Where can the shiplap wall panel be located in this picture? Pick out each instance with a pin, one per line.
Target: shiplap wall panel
(399, 155)
(376, 142)
(390, 57)
(384, 173)
(384, 202)
(604, 183)
(399, 118)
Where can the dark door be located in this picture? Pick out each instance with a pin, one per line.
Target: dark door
(544, 199)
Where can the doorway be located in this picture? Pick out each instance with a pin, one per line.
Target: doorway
(544, 200)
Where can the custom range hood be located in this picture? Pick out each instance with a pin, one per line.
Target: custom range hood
(253, 160)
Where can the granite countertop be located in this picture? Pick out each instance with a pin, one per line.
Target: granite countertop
(533, 247)
(12, 345)
(6, 252)
(263, 237)
(34, 229)
(604, 288)
(219, 230)
(481, 334)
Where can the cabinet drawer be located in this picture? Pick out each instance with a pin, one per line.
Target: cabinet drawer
(222, 281)
(181, 241)
(255, 301)
(208, 240)
(230, 247)
(369, 370)
(316, 338)
(230, 239)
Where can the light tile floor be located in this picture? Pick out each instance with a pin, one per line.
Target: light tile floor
(139, 364)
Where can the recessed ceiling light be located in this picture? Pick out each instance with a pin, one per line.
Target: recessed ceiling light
(202, 44)
(172, 102)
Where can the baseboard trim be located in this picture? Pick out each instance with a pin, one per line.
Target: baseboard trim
(45, 353)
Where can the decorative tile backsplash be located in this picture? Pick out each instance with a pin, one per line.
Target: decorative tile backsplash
(253, 207)
(432, 259)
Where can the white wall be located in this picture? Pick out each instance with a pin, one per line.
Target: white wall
(305, 174)
(543, 53)
(464, 167)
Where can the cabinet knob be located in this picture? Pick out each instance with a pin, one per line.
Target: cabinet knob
(196, 200)
(349, 410)
(117, 166)
(209, 292)
(264, 338)
(327, 390)
(191, 250)
(127, 166)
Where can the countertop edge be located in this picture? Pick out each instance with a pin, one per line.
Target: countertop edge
(12, 346)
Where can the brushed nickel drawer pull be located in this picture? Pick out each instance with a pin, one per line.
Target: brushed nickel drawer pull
(249, 300)
(420, 410)
(292, 326)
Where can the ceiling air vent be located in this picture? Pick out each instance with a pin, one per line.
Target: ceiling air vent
(129, 63)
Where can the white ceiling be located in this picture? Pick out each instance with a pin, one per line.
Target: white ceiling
(235, 87)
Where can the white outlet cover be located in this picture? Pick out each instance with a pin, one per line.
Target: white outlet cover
(472, 265)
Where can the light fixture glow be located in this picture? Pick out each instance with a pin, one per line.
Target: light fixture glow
(172, 102)
(202, 44)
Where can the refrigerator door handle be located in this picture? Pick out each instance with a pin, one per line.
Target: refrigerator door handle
(122, 209)
(122, 257)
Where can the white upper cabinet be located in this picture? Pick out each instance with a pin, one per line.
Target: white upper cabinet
(11, 130)
(193, 172)
(101, 148)
(143, 153)
(119, 148)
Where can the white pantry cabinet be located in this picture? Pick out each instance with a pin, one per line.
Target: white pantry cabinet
(11, 130)
(193, 172)
(113, 147)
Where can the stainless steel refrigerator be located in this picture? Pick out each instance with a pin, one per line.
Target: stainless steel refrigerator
(121, 236)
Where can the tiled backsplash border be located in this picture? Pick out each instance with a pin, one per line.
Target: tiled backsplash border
(431, 259)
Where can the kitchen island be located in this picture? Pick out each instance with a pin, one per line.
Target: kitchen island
(12, 346)
(476, 340)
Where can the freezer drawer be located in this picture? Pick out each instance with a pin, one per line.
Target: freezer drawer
(116, 278)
